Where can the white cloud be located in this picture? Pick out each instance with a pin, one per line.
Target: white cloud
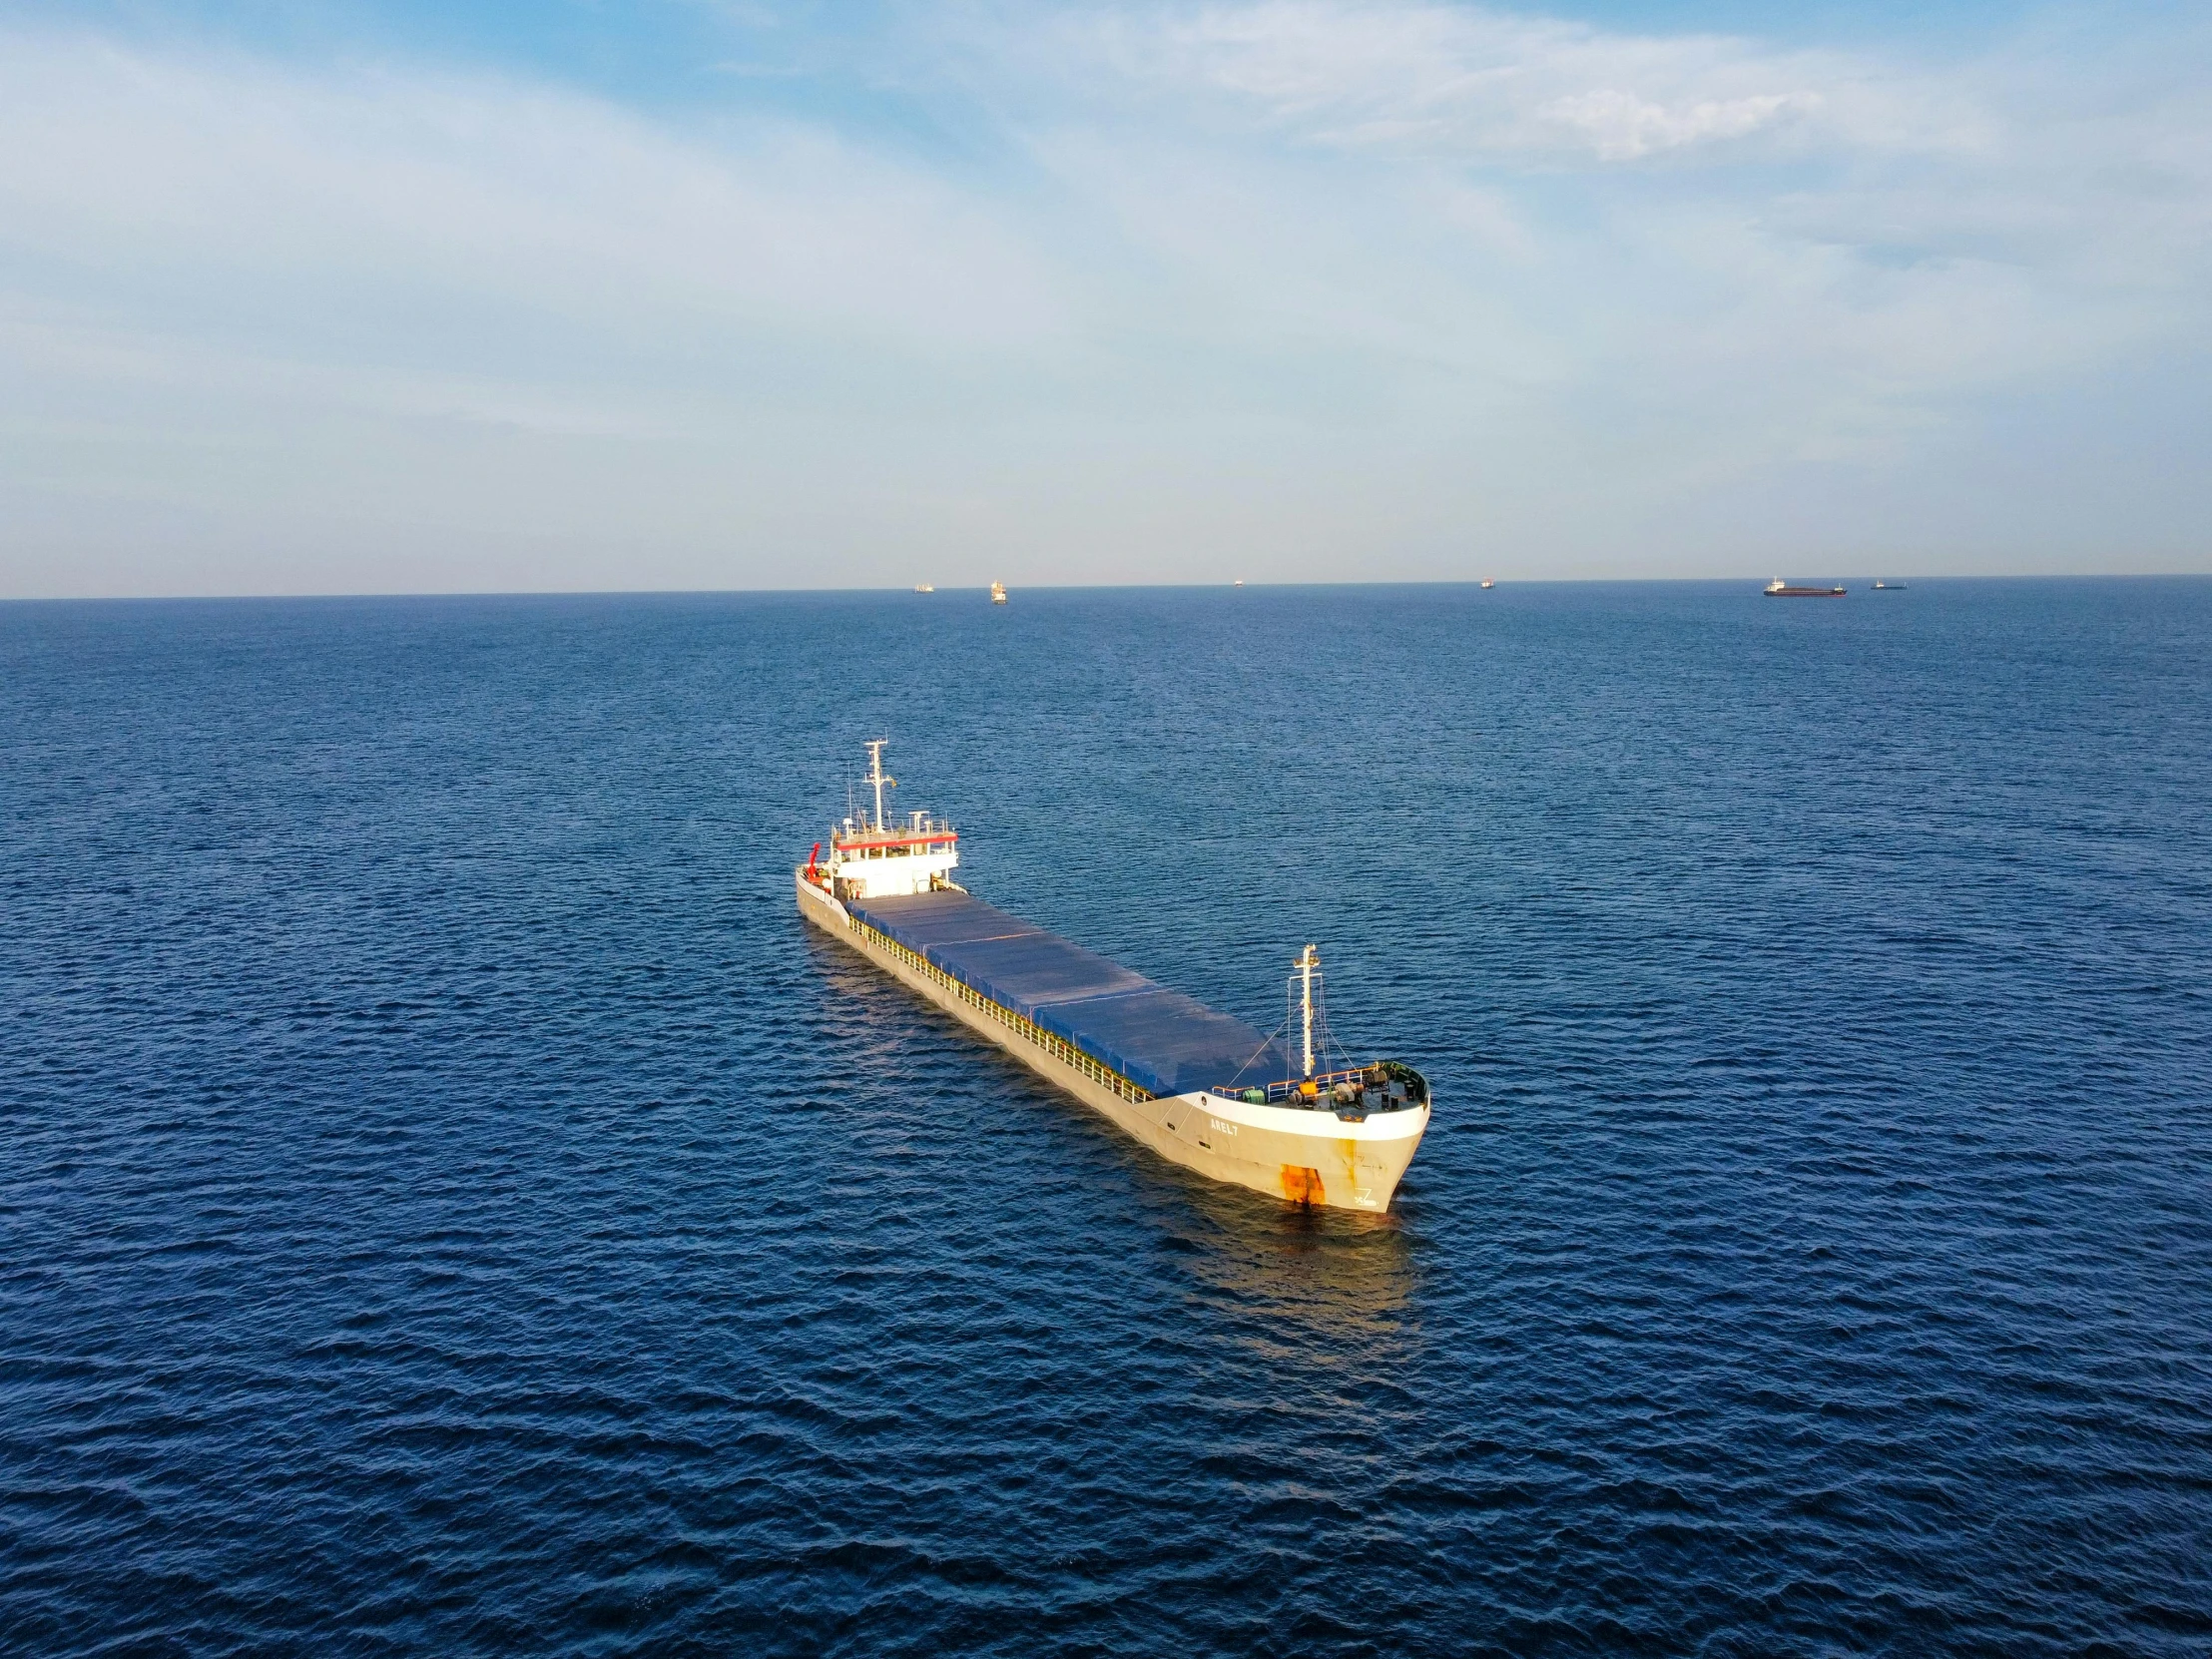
(1363, 282)
(1459, 82)
(360, 184)
(1963, 224)
(1622, 127)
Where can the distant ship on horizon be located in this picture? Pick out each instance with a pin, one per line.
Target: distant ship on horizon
(999, 593)
(1778, 589)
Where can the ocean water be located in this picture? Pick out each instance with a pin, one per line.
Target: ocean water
(451, 1204)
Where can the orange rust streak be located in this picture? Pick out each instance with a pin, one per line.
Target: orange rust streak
(1301, 1184)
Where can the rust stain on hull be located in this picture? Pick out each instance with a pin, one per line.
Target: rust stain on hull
(1301, 1184)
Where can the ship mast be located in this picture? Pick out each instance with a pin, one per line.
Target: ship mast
(1308, 960)
(876, 777)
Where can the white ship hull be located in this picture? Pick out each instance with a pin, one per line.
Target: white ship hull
(1304, 1155)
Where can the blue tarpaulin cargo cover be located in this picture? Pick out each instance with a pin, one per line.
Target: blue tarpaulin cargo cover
(928, 918)
(1168, 1042)
(1159, 1039)
(1030, 972)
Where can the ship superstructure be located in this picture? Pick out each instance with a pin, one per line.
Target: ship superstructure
(874, 858)
(1287, 1114)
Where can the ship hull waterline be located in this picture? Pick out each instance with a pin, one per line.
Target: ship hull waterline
(1302, 1156)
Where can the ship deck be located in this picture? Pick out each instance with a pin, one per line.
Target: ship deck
(1163, 1041)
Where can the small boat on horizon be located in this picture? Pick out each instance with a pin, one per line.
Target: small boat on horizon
(924, 587)
(999, 593)
(1778, 589)
(1488, 582)
(1889, 587)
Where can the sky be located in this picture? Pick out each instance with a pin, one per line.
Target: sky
(355, 297)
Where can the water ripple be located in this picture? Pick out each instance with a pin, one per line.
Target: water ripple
(452, 1204)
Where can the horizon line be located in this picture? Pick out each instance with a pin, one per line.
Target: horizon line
(1901, 577)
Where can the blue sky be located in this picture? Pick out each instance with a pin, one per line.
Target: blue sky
(341, 298)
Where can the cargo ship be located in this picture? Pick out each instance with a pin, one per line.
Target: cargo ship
(1778, 589)
(1198, 1087)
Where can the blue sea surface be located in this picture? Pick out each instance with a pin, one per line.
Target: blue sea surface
(451, 1204)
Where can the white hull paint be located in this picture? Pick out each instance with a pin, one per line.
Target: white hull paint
(1304, 1155)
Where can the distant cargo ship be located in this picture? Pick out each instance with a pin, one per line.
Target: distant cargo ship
(999, 593)
(1778, 589)
(1198, 1087)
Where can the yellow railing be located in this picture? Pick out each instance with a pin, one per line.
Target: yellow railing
(1058, 1047)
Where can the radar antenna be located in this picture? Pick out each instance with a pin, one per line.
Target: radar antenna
(876, 777)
